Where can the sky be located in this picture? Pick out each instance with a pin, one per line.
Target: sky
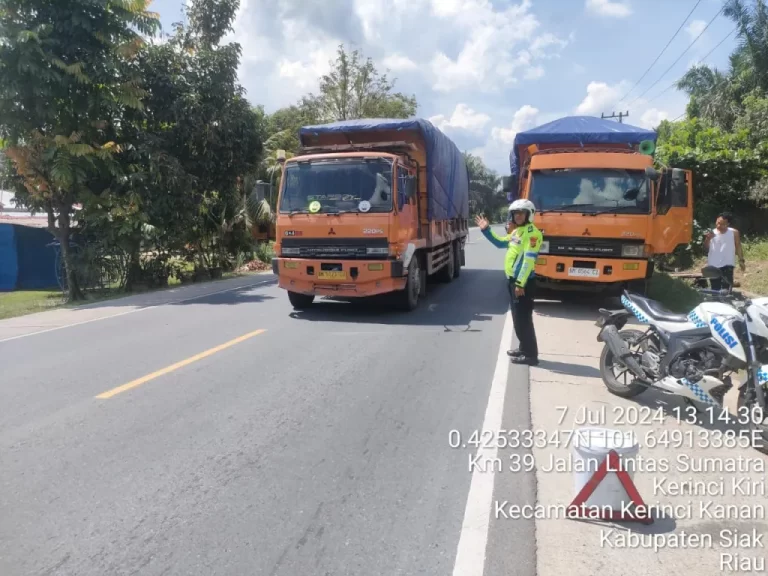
(483, 70)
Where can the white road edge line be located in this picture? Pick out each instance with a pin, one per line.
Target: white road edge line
(133, 311)
(470, 555)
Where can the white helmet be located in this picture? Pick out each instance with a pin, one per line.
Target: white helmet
(524, 206)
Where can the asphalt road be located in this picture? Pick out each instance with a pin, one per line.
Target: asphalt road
(229, 435)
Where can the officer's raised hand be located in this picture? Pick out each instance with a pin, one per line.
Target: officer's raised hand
(482, 222)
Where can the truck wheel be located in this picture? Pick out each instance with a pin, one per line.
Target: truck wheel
(300, 301)
(448, 271)
(457, 259)
(408, 298)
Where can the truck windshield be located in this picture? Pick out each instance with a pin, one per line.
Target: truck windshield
(591, 191)
(343, 185)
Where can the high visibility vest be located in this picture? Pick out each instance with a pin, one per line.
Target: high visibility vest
(522, 246)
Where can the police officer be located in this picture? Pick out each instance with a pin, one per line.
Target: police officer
(522, 241)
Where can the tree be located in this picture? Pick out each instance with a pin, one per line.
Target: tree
(61, 93)
(718, 97)
(197, 139)
(355, 89)
(485, 195)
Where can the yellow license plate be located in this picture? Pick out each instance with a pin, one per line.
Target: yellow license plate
(332, 275)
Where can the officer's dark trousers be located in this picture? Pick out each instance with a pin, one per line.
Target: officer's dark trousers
(522, 317)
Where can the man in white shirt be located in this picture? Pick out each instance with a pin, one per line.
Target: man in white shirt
(723, 244)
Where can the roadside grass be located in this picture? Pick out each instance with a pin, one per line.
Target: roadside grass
(23, 302)
(755, 279)
(29, 301)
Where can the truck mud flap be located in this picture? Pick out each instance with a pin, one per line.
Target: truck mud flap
(610, 335)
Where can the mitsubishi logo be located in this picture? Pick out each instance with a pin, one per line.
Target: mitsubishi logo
(586, 232)
(331, 231)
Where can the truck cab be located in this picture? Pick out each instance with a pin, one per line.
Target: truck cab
(604, 213)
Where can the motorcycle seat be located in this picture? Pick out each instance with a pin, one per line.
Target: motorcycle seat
(654, 310)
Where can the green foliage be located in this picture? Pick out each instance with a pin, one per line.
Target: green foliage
(64, 85)
(354, 88)
(485, 195)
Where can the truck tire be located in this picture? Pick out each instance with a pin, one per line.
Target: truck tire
(408, 298)
(300, 301)
(457, 258)
(448, 271)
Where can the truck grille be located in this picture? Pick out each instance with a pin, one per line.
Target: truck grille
(589, 247)
(346, 248)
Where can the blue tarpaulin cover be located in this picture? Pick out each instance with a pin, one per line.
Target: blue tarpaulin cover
(578, 130)
(27, 262)
(447, 176)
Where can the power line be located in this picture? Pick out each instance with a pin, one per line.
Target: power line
(668, 88)
(613, 115)
(661, 53)
(679, 57)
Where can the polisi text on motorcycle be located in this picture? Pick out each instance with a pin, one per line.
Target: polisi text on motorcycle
(727, 337)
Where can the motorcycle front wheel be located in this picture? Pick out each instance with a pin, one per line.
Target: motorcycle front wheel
(626, 387)
(748, 403)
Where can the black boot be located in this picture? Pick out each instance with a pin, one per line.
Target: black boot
(516, 353)
(527, 360)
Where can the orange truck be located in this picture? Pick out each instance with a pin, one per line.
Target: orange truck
(370, 207)
(603, 210)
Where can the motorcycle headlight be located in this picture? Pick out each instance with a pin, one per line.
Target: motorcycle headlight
(632, 251)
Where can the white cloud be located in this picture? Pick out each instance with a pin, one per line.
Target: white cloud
(487, 60)
(524, 118)
(609, 8)
(541, 43)
(652, 117)
(398, 62)
(600, 96)
(695, 28)
(464, 118)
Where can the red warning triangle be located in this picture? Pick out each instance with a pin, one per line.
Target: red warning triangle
(577, 509)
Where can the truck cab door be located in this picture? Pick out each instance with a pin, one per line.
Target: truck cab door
(673, 211)
(406, 204)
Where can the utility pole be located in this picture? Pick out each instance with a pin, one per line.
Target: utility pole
(613, 115)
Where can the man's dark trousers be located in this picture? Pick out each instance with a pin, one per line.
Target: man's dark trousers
(522, 318)
(718, 284)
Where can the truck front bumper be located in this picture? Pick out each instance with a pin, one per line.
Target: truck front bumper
(347, 278)
(590, 274)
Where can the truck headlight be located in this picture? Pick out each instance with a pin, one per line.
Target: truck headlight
(544, 247)
(290, 251)
(631, 251)
(377, 251)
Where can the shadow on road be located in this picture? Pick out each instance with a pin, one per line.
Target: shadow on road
(228, 291)
(578, 370)
(582, 308)
(245, 295)
(476, 296)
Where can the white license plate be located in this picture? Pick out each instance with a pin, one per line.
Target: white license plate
(584, 272)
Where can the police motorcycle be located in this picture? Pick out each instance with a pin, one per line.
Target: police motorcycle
(691, 355)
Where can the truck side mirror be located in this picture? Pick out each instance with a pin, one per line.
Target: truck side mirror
(509, 187)
(410, 187)
(664, 193)
(651, 172)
